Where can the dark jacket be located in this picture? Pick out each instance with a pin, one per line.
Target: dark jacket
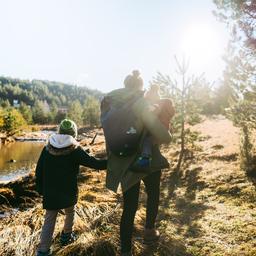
(118, 167)
(57, 170)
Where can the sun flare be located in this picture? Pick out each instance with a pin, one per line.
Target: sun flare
(201, 44)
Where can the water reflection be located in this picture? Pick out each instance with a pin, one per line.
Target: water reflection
(24, 153)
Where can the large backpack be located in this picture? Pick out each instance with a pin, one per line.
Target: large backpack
(121, 127)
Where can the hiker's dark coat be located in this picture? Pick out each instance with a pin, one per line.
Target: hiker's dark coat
(118, 167)
(57, 170)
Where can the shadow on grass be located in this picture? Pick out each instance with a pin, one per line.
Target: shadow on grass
(228, 158)
(180, 211)
(188, 209)
(165, 247)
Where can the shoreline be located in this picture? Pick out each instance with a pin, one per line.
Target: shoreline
(20, 191)
(31, 133)
(42, 132)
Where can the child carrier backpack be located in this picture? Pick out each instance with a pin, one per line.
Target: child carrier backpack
(121, 126)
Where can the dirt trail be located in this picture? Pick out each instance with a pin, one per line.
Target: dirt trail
(222, 135)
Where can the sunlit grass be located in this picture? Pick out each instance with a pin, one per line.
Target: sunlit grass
(207, 209)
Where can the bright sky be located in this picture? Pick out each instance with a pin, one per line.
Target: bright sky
(98, 42)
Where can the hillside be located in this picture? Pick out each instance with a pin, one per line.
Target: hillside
(54, 93)
(206, 209)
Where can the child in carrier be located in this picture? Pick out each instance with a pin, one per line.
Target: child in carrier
(164, 109)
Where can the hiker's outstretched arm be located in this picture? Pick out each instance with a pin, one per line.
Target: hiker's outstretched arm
(90, 161)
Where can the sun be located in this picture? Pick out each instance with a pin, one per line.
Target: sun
(201, 45)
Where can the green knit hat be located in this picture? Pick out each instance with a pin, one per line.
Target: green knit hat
(68, 127)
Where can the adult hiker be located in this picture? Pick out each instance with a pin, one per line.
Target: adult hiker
(126, 119)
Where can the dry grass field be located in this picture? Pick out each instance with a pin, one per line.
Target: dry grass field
(207, 209)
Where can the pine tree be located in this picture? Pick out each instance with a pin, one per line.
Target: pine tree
(240, 73)
(75, 112)
(91, 112)
(39, 113)
(241, 15)
(181, 91)
(13, 121)
(26, 112)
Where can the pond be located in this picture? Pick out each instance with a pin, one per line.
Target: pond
(25, 155)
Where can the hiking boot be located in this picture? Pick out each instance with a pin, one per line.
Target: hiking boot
(67, 238)
(151, 235)
(39, 253)
(142, 164)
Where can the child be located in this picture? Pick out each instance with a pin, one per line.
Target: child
(56, 180)
(164, 109)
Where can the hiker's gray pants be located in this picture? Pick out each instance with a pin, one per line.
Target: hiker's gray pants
(49, 224)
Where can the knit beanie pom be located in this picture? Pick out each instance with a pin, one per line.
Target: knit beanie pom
(68, 127)
(134, 81)
(136, 73)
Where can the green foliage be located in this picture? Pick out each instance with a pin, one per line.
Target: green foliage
(91, 113)
(243, 114)
(191, 97)
(246, 148)
(39, 113)
(52, 115)
(1, 118)
(26, 112)
(191, 138)
(241, 72)
(241, 15)
(88, 114)
(12, 121)
(223, 96)
(60, 116)
(185, 93)
(75, 112)
(5, 103)
(201, 96)
(36, 94)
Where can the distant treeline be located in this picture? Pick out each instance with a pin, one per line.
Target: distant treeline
(44, 102)
(29, 92)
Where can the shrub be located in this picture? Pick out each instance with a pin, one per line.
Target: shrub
(13, 121)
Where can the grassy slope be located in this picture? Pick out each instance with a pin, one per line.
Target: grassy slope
(212, 209)
(207, 209)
